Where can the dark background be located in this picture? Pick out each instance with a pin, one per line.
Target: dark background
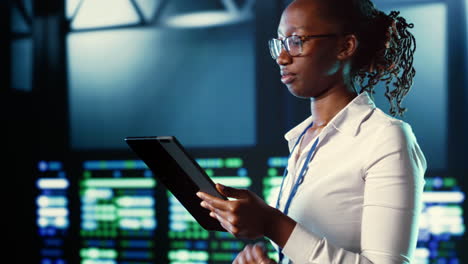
(55, 91)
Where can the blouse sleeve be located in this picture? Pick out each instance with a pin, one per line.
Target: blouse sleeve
(394, 179)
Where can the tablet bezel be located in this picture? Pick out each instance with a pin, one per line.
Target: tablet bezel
(183, 186)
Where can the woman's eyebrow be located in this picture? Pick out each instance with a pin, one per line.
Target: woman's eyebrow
(292, 28)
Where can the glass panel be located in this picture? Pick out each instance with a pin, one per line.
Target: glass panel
(198, 85)
(427, 99)
(148, 7)
(21, 64)
(104, 13)
(71, 7)
(18, 23)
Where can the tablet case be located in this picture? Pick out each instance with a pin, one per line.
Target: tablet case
(178, 172)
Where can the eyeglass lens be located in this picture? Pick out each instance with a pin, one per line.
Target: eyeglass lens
(293, 46)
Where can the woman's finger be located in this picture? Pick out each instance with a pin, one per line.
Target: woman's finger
(228, 215)
(226, 225)
(240, 259)
(214, 201)
(259, 254)
(248, 254)
(217, 211)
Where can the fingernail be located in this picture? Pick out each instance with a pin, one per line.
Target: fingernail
(199, 194)
(203, 204)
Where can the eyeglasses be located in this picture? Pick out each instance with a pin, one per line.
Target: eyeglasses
(292, 44)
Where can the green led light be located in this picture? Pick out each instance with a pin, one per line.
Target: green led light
(277, 162)
(178, 244)
(186, 255)
(103, 164)
(129, 164)
(96, 253)
(135, 212)
(120, 183)
(273, 181)
(226, 245)
(214, 245)
(105, 217)
(233, 181)
(273, 255)
(447, 244)
(210, 163)
(233, 163)
(239, 245)
(272, 172)
(209, 172)
(450, 182)
(86, 174)
(221, 256)
(453, 211)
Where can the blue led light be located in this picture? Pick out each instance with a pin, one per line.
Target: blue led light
(148, 174)
(114, 165)
(53, 242)
(55, 165)
(277, 162)
(51, 252)
(117, 174)
(42, 166)
(201, 245)
(438, 182)
(242, 172)
(136, 254)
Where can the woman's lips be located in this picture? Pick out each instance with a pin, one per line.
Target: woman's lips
(288, 78)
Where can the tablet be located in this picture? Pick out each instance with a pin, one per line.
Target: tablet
(179, 173)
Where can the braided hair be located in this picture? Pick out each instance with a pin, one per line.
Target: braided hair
(385, 51)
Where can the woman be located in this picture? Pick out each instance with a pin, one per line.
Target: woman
(353, 184)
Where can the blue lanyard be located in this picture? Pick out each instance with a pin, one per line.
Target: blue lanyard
(299, 180)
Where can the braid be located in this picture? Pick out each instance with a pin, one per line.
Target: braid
(385, 51)
(392, 63)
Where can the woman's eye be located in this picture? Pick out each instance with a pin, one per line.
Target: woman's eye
(295, 42)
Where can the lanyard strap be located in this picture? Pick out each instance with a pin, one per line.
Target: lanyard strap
(299, 180)
(302, 170)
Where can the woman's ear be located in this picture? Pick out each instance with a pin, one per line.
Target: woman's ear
(348, 47)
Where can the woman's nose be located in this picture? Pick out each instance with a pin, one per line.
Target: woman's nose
(284, 58)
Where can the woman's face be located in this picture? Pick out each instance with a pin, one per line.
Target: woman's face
(317, 69)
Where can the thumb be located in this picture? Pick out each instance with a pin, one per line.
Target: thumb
(260, 251)
(261, 245)
(232, 192)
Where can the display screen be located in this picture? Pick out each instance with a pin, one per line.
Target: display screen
(127, 216)
(53, 212)
(118, 217)
(151, 80)
(189, 242)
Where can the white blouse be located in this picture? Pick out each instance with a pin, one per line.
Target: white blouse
(361, 196)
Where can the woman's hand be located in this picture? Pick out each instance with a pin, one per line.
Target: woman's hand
(253, 254)
(246, 217)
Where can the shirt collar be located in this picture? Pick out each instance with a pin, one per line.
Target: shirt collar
(347, 120)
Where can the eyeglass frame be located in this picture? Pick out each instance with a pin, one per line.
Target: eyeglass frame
(303, 40)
